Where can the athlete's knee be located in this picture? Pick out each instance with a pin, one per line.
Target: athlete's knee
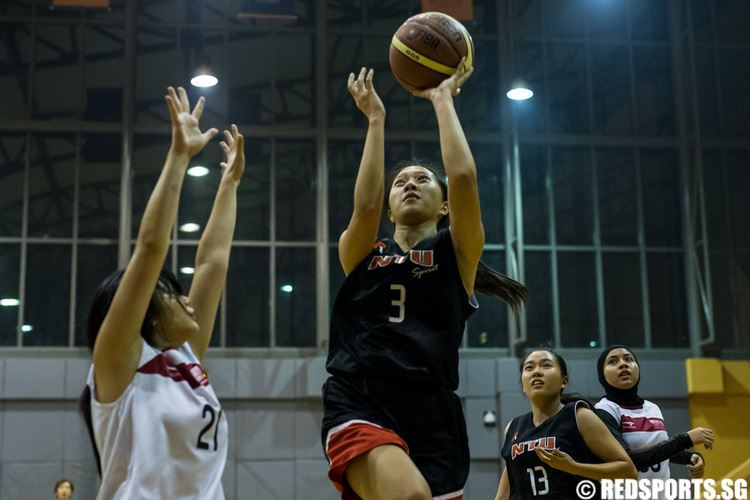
(415, 490)
(387, 473)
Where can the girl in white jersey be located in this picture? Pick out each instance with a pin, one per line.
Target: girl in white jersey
(157, 427)
(638, 423)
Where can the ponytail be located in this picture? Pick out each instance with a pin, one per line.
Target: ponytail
(84, 407)
(500, 286)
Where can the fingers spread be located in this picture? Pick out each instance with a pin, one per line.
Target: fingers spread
(198, 111)
(184, 102)
(210, 134)
(173, 103)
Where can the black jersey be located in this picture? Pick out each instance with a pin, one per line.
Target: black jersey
(529, 477)
(401, 314)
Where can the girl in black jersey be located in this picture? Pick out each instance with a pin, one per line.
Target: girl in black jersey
(393, 427)
(560, 443)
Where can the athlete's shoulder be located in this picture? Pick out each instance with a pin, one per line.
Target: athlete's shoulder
(584, 411)
(609, 406)
(520, 422)
(651, 408)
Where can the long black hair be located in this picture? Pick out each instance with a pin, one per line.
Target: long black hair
(100, 303)
(488, 280)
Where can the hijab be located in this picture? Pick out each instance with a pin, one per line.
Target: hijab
(623, 397)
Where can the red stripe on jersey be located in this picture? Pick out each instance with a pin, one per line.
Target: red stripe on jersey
(351, 441)
(641, 424)
(192, 373)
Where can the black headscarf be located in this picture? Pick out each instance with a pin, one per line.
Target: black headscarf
(623, 397)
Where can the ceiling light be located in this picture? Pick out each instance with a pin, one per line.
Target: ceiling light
(519, 91)
(187, 270)
(204, 77)
(9, 302)
(190, 227)
(197, 171)
(287, 288)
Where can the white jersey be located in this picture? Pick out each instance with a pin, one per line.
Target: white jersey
(166, 435)
(641, 427)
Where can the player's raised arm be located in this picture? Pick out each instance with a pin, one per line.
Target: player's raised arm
(467, 231)
(357, 239)
(118, 343)
(212, 257)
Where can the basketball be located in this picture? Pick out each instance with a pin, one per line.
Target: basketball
(427, 48)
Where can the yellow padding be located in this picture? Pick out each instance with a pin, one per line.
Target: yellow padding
(704, 376)
(737, 377)
(742, 471)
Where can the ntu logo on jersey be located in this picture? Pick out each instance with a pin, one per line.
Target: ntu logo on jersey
(418, 257)
(545, 442)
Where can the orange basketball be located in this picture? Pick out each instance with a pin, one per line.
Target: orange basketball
(427, 48)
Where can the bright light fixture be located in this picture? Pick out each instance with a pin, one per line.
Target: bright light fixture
(204, 77)
(287, 288)
(26, 328)
(519, 91)
(9, 302)
(187, 270)
(190, 227)
(197, 171)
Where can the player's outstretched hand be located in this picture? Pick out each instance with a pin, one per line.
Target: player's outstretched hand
(364, 94)
(451, 85)
(233, 146)
(187, 137)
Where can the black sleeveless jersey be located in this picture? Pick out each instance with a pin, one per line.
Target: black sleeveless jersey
(401, 314)
(529, 477)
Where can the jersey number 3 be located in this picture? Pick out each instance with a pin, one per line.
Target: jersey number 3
(399, 303)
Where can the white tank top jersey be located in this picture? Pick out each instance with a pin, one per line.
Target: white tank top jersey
(166, 436)
(641, 427)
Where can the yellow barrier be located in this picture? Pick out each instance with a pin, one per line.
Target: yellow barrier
(741, 472)
(719, 396)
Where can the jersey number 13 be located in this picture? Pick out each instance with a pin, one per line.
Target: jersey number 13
(542, 480)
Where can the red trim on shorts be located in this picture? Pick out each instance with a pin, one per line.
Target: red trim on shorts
(350, 440)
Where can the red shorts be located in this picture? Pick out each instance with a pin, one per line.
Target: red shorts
(351, 439)
(348, 441)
